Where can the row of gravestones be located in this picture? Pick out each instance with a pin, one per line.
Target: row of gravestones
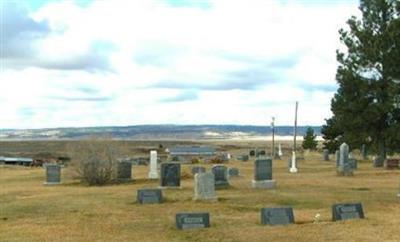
(170, 174)
(53, 173)
(204, 189)
(345, 164)
(205, 183)
(363, 153)
(271, 216)
(344, 151)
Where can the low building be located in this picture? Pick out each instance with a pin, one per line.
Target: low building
(16, 161)
(188, 153)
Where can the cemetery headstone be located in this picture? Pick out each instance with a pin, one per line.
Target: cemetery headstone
(204, 187)
(344, 168)
(326, 155)
(153, 173)
(233, 172)
(221, 176)
(170, 174)
(290, 162)
(392, 164)
(124, 171)
(353, 164)
(242, 157)
(53, 174)
(263, 174)
(252, 153)
(198, 169)
(346, 211)
(364, 152)
(378, 161)
(277, 156)
(337, 155)
(277, 216)
(280, 150)
(192, 220)
(260, 153)
(145, 196)
(226, 157)
(293, 164)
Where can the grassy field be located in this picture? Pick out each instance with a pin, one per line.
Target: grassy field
(30, 211)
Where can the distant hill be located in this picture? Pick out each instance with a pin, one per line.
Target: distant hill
(155, 132)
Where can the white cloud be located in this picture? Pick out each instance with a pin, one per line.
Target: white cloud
(138, 62)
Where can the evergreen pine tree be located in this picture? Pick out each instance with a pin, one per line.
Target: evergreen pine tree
(309, 141)
(366, 107)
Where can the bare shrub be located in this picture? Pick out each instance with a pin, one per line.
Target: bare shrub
(216, 160)
(195, 161)
(94, 161)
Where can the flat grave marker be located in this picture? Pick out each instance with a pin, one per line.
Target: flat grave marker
(277, 216)
(192, 220)
(233, 172)
(344, 211)
(148, 196)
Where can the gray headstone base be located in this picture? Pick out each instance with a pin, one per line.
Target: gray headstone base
(125, 179)
(208, 199)
(51, 183)
(172, 188)
(220, 186)
(264, 184)
(153, 175)
(344, 173)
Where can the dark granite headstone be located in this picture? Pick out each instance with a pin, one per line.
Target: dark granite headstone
(221, 176)
(170, 174)
(192, 220)
(232, 171)
(347, 211)
(260, 153)
(198, 169)
(378, 161)
(145, 196)
(262, 169)
(277, 216)
(337, 156)
(353, 164)
(252, 153)
(392, 164)
(53, 174)
(124, 170)
(364, 153)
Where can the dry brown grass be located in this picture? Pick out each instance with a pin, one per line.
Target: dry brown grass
(30, 211)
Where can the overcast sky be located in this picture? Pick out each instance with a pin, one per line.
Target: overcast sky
(97, 63)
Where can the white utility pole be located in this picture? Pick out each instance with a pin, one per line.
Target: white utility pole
(273, 138)
(293, 168)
